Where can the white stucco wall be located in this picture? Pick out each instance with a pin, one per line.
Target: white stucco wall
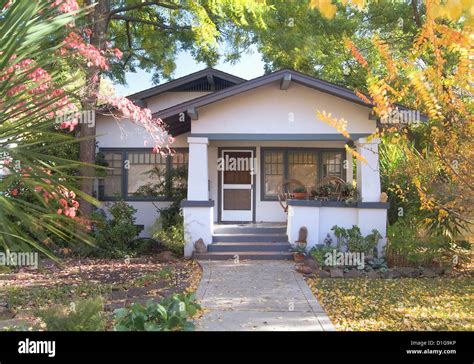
(267, 109)
(320, 220)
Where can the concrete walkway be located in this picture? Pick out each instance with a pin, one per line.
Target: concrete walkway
(257, 296)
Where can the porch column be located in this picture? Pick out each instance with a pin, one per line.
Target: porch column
(368, 185)
(198, 211)
(198, 188)
(368, 174)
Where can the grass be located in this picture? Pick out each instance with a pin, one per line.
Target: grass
(399, 304)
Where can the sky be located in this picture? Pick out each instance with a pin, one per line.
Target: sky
(249, 66)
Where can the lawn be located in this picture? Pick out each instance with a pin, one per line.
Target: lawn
(397, 304)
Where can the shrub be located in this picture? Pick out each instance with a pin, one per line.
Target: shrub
(171, 314)
(410, 244)
(172, 237)
(319, 252)
(115, 237)
(354, 241)
(84, 315)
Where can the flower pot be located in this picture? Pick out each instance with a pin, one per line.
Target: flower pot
(298, 257)
(299, 195)
(301, 244)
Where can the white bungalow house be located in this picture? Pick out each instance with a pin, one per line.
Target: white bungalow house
(271, 121)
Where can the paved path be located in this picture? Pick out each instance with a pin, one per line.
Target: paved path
(257, 296)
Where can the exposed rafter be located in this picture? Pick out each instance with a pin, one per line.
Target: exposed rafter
(192, 113)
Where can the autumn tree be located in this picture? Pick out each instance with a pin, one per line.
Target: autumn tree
(435, 78)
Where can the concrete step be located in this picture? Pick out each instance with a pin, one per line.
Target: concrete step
(221, 238)
(248, 246)
(244, 255)
(245, 229)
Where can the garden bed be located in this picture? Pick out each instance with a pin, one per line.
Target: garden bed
(119, 282)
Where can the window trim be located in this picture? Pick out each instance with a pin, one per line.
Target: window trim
(124, 177)
(286, 150)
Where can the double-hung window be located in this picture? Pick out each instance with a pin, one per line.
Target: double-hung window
(307, 166)
(138, 174)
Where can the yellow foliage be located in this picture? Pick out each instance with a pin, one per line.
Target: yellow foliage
(340, 125)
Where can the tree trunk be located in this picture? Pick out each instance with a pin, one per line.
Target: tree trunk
(87, 149)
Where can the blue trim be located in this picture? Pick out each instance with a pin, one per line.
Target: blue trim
(279, 137)
(188, 203)
(358, 205)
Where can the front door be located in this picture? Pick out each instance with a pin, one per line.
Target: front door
(237, 179)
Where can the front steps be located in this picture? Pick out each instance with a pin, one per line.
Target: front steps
(248, 241)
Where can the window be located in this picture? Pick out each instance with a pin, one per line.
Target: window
(136, 174)
(112, 184)
(332, 164)
(273, 171)
(303, 166)
(145, 170)
(308, 166)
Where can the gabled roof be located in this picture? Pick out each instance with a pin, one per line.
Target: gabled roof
(208, 79)
(284, 75)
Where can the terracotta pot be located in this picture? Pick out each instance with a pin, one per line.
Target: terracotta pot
(300, 195)
(298, 257)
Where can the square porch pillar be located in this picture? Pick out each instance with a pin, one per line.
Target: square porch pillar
(368, 174)
(198, 210)
(198, 169)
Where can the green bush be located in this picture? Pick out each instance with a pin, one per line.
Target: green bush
(84, 315)
(319, 252)
(115, 237)
(171, 314)
(353, 239)
(172, 237)
(409, 243)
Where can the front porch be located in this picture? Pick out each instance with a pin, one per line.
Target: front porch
(219, 197)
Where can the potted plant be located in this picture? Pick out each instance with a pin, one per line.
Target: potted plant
(299, 252)
(324, 191)
(299, 193)
(348, 193)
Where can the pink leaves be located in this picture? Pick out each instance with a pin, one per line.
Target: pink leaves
(92, 55)
(66, 6)
(143, 118)
(118, 53)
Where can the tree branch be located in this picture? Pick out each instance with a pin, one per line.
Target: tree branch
(149, 22)
(416, 14)
(144, 4)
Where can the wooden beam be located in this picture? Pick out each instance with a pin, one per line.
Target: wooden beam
(210, 79)
(192, 113)
(285, 82)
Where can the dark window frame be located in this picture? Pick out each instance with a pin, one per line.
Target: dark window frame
(124, 183)
(286, 150)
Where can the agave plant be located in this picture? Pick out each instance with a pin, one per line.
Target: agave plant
(38, 194)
